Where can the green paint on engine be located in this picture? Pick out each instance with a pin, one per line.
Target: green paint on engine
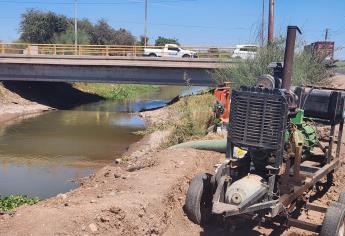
(306, 133)
(298, 118)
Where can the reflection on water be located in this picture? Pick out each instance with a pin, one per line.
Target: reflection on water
(39, 156)
(61, 145)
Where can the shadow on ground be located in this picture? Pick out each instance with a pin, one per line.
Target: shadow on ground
(54, 94)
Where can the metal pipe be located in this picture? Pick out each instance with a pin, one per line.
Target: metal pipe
(145, 25)
(262, 37)
(75, 28)
(289, 55)
(271, 21)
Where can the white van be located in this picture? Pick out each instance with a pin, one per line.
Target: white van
(245, 51)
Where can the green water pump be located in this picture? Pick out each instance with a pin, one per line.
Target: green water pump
(306, 133)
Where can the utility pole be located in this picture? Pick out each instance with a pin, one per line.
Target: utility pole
(326, 34)
(271, 22)
(75, 28)
(145, 25)
(262, 37)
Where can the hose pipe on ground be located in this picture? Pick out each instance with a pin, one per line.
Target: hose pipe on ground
(208, 145)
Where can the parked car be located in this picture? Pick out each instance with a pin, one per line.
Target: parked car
(245, 51)
(170, 50)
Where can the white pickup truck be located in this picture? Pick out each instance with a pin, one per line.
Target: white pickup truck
(169, 50)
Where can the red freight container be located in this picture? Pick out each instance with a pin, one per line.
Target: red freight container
(324, 49)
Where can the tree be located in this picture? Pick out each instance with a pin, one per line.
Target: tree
(40, 27)
(141, 41)
(85, 25)
(68, 37)
(161, 41)
(104, 34)
(123, 37)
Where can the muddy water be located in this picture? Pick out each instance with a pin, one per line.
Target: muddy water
(42, 155)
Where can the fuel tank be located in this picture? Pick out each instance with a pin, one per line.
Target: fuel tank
(242, 189)
(323, 104)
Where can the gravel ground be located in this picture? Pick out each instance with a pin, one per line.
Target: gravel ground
(142, 196)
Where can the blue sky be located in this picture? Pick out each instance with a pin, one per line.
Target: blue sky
(194, 22)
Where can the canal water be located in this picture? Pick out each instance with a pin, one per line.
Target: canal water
(42, 155)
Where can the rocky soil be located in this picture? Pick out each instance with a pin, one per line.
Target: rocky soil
(12, 105)
(142, 195)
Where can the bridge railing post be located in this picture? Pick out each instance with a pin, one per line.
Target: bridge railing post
(107, 50)
(54, 50)
(2, 48)
(135, 50)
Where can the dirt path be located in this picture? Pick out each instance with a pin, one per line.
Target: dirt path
(144, 196)
(115, 201)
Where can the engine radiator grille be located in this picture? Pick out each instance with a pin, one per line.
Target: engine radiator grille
(258, 118)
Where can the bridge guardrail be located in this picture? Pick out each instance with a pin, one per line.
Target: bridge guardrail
(105, 50)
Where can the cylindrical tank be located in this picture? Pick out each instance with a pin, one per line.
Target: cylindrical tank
(243, 188)
(323, 104)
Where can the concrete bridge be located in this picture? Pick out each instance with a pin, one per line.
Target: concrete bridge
(100, 69)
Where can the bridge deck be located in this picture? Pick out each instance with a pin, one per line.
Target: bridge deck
(201, 63)
(169, 71)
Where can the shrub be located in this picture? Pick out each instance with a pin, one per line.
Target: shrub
(195, 116)
(308, 69)
(11, 202)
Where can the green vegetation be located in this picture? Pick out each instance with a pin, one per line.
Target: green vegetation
(49, 27)
(308, 68)
(40, 27)
(340, 63)
(116, 91)
(67, 37)
(161, 41)
(11, 202)
(194, 115)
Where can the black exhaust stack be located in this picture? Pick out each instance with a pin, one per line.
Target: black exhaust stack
(289, 56)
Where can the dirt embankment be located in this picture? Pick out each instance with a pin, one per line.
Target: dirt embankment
(139, 196)
(143, 195)
(24, 98)
(12, 105)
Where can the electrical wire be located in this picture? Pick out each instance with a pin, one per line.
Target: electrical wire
(96, 3)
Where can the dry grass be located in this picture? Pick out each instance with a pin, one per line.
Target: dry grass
(195, 116)
(192, 117)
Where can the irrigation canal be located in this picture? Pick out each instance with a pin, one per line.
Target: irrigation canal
(42, 155)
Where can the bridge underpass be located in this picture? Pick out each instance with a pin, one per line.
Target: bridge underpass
(96, 69)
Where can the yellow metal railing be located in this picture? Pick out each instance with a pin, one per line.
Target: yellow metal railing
(104, 50)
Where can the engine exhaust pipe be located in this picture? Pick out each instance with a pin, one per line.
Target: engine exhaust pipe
(289, 56)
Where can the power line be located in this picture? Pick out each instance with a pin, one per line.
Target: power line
(95, 3)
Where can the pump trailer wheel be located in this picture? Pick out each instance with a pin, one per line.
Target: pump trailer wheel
(334, 221)
(198, 204)
(341, 198)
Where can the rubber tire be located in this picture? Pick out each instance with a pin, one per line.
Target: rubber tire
(219, 173)
(334, 220)
(186, 56)
(198, 205)
(341, 198)
(152, 55)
